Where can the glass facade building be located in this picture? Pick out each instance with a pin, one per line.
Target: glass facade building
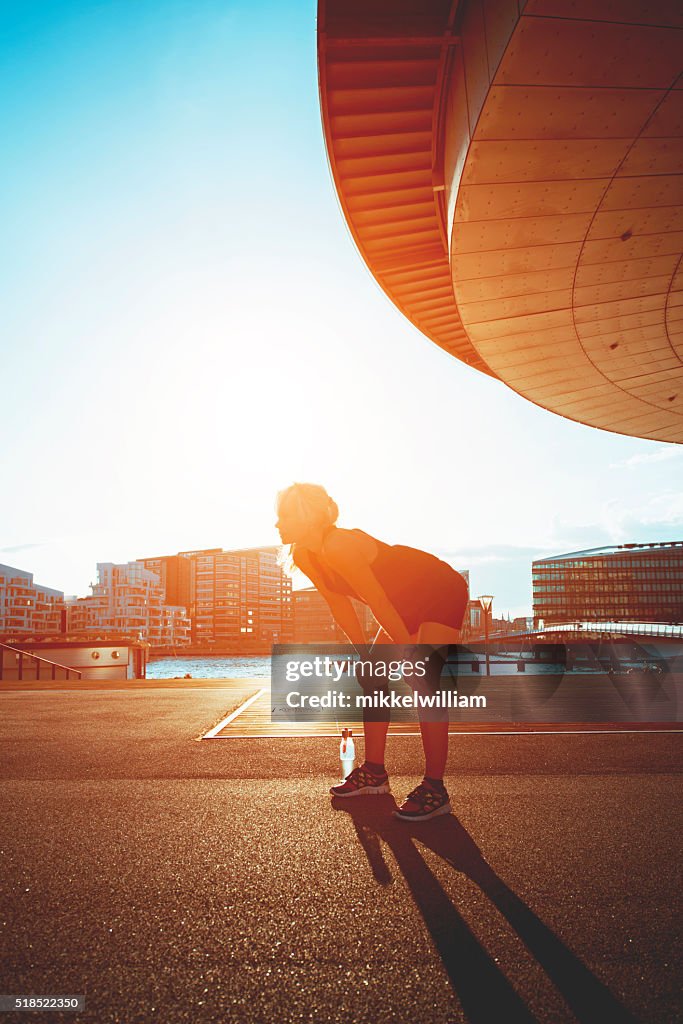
(625, 583)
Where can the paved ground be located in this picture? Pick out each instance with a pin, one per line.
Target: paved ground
(176, 879)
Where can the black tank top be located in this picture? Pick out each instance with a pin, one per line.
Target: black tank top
(406, 574)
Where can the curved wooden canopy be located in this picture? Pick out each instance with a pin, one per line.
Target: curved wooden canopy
(380, 69)
(512, 173)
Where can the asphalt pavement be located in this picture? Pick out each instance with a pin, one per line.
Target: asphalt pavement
(172, 878)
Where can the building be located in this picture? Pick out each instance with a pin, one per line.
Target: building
(473, 623)
(314, 623)
(510, 171)
(237, 600)
(27, 607)
(129, 599)
(175, 574)
(49, 658)
(242, 599)
(626, 583)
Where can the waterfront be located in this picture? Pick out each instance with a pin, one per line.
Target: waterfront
(587, 660)
(258, 667)
(215, 666)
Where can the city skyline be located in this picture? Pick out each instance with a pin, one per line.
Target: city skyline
(300, 582)
(189, 327)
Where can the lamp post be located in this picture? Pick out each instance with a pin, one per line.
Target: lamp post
(486, 600)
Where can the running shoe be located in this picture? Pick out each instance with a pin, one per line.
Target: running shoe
(424, 803)
(362, 781)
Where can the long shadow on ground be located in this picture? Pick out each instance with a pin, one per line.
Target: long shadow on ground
(482, 988)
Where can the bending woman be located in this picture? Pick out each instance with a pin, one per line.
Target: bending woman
(415, 597)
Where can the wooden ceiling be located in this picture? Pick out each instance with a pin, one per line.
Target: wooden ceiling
(380, 72)
(563, 204)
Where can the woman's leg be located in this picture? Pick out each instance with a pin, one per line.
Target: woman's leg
(375, 741)
(375, 732)
(435, 734)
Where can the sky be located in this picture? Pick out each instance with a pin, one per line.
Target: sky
(188, 327)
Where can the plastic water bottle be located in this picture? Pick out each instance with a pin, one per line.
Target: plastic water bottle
(347, 752)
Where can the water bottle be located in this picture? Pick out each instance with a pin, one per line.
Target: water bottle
(347, 752)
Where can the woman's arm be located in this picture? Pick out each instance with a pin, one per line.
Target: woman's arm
(346, 557)
(345, 616)
(342, 610)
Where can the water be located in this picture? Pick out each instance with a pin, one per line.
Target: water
(222, 667)
(215, 666)
(502, 663)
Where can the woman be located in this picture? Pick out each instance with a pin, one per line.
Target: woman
(415, 597)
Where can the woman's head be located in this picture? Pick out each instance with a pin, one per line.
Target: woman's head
(304, 511)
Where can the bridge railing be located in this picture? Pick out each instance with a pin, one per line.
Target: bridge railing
(577, 629)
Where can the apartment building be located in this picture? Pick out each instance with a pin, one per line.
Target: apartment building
(27, 607)
(242, 599)
(130, 599)
(175, 575)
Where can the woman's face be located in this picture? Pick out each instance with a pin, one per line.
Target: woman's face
(291, 526)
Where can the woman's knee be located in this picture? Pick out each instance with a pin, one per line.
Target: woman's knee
(429, 686)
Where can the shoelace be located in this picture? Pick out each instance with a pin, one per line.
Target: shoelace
(425, 796)
(358, 773)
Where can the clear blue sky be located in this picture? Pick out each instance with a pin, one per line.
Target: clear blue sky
(187, 326)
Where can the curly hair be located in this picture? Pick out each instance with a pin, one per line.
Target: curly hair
(313, 505)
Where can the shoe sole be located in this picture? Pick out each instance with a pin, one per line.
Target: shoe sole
(446, 809)
(366, 791)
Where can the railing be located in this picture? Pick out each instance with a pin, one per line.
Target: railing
(644, 629)
(23, 666)
(662, 630)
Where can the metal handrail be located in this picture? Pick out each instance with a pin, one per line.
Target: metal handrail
(662, 630)
(54, 665)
